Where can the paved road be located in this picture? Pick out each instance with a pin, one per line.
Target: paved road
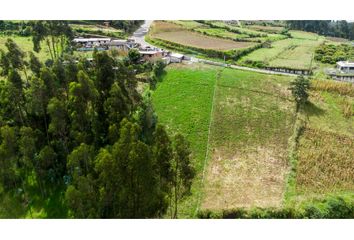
(194, 59)
(139, 35)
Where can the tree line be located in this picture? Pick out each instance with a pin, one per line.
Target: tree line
(80, 130)
(342, 29)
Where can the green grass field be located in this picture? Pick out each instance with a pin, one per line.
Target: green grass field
(98, 30)
(25, 43)
(293, 53)
(183, 103)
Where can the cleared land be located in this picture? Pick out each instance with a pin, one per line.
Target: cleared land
(183, 103)
(252, 122)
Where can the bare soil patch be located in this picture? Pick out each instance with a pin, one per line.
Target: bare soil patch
(250, 178)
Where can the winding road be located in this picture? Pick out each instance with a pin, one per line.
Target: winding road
(139, 37)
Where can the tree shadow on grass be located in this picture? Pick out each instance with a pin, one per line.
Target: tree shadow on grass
(312, 110)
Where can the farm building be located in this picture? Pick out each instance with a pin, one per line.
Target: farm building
(345, 67)
(90, 42)
(343, 72)
(176, 58)
(150, 55)
(121, 44)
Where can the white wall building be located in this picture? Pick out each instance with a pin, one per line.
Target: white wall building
(345, 67)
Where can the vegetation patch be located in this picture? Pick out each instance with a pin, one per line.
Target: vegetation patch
(193, 39)
(183, 103)
(91, 29)
(266, 28)
(252, 122)
(330, 53)
(325, 162)
(289, 53)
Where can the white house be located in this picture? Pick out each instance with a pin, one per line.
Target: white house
(345, 67)
(91, 41)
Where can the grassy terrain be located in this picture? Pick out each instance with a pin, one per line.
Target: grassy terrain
(293, 53)
(304, 35)
(238, 29)
(252, 122)
(269, 29)
(249, 133)
(188, 23)
(183, 103)
(253, 118)
(25, 43)
(98, 30)
(222, 33)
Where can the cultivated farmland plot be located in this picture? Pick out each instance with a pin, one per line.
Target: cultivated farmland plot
(246, 163)
(293, 53)
(251, 124)
(174, 33)
(240, 123)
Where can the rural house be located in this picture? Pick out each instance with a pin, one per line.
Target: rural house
(176, 57)
(150, 55)
(343, 72)
(91, 42)
(121, 44)
(345, 67)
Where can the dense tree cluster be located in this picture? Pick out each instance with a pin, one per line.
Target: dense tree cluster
(81, 131)
(341, 29)
(329, 53)
(127, 26)
(21, 28)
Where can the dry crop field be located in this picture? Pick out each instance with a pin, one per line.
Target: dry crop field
(326, 148)
(251, 124)
(175, 33)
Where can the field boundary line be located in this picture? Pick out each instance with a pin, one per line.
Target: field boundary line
(218, 76)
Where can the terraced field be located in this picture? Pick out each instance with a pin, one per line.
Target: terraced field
(269, 29)
(174, 33)
(293, 53)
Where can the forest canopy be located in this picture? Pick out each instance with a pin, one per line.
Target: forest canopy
(78, 140)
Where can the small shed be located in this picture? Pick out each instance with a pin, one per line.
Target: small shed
(176, 57)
